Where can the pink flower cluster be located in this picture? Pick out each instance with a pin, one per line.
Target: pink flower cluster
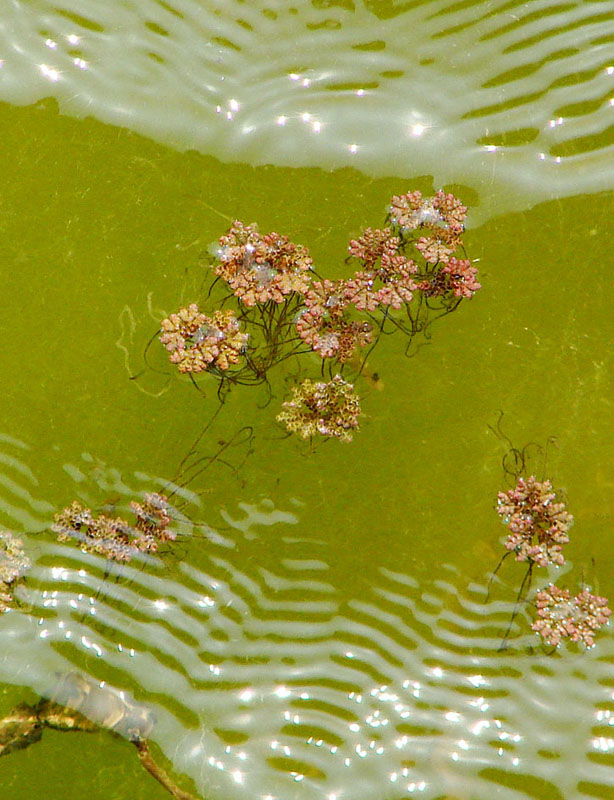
(441, 218)
(13, 564)
(197, 342)
(457, 277)
(387, 277)
(259, 268)
(538, 524)
(560, 616)
(325, 326)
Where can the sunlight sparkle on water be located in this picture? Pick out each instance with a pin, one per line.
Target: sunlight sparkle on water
(50, 73)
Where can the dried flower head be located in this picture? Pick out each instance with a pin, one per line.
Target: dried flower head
(330, 409)
(561, 617)
(196, 342)
(114, 538)
(441, 218)
(13, 565)
(537, 521)
(259, 268)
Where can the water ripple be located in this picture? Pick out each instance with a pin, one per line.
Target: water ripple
(486, 84)
(268, 678)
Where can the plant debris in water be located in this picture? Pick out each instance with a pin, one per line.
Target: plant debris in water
(408, 274)
(13, 565)
(113, 537)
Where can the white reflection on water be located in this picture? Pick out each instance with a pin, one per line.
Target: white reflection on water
(473, 81)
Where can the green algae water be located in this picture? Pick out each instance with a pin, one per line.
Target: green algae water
(322, 629)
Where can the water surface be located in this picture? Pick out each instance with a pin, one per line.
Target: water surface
(322, 630)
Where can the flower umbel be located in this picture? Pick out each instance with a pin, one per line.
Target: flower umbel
(13, 564)
(197, 342)
(577, 619)
(537, 522)
(440, 220)
(330, 409)
(262, 267)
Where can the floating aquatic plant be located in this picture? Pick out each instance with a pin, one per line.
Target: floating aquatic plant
(13, 565)
(330, 409)
(562, 617)
(113, 537)
(82, 704)
(407, 274)
(439, 219)
(537, 520)
(262, 268)
(197, 342)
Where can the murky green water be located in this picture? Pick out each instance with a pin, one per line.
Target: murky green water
(324, 632)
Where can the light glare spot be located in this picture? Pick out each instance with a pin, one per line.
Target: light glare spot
(50, 73)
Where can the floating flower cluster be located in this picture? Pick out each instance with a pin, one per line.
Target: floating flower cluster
(330, 409)
(439, 219)
(197, 342)
(407, 274)
(537, 521)
(577, 619)
(387, 275)
(13, 565)
(325, 325)
(114, 538)
(259, 268)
